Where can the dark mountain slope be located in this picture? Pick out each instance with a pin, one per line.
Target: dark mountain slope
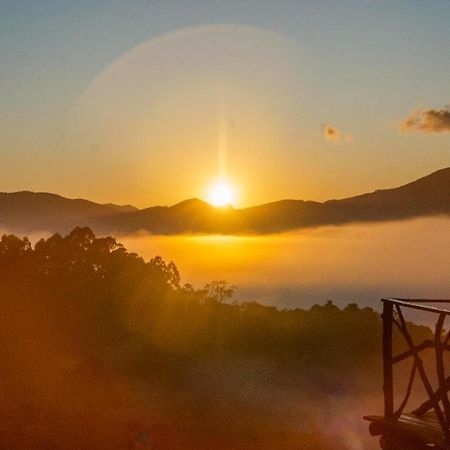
(38, 211)
(28, 212)
(427, 196)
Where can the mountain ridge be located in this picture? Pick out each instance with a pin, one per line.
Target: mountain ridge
(27, 211)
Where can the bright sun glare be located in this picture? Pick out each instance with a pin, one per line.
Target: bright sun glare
(221, 193)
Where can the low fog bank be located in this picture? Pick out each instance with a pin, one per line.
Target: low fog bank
(358, 263)
(354, 263)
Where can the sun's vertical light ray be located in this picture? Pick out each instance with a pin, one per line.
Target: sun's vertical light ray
(222, 138)
(222, 193)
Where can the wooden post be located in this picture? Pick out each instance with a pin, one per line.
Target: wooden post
(388, 383)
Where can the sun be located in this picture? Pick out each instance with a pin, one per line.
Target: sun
(221, 193)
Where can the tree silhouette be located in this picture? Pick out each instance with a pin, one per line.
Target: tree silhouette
(93, 336)
(219, 290)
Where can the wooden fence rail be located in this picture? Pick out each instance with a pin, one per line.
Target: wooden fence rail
(429, 422)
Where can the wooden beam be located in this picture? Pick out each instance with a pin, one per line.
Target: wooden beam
(400, 409)
(428, 343)
(435, 398)
(440, 369)
(388, 373)
(412, 305)
(421, 300)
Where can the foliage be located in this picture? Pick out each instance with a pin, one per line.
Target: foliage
(219, 290)
(90, 316)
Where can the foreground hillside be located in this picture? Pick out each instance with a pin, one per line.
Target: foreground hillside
(102, 350)
(30, 212)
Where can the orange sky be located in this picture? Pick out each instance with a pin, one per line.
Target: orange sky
(306, 104)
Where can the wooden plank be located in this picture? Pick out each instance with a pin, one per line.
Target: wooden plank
(429, 423)
(426, 430)
(428, 420)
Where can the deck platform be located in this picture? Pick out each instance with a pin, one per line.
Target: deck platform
(411, 430)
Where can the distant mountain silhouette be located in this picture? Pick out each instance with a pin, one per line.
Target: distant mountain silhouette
(39, 211)
(28, 212)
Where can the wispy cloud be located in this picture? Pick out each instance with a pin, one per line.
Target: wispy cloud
(427, 121)
(335, 135)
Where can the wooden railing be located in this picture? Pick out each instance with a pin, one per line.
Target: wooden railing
(437, 398)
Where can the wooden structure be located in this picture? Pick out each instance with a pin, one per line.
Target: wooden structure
(428, 424)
